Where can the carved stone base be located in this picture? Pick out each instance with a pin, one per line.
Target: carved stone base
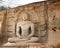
(16, 39)
(20, 44)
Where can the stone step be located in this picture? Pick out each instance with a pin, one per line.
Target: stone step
(31, 45)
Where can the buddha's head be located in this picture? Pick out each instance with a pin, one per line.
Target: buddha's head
(24, 16)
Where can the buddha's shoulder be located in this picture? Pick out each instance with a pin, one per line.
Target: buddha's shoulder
(26, 22)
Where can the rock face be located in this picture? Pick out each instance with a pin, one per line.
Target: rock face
(54, 23)
(13, 14)
(35, 13)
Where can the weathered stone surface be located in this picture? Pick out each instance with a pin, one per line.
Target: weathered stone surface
(36, 15)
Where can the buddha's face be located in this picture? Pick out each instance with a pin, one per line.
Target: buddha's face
(24, 16)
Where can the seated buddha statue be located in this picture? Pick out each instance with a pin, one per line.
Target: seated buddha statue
(24, 32)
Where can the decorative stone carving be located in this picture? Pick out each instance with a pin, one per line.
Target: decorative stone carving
(25, 32)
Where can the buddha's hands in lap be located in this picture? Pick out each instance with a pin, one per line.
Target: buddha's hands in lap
(24, 38)
(21, 37)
